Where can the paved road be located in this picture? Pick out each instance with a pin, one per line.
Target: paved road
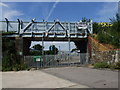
(35, 79)
(90, 77)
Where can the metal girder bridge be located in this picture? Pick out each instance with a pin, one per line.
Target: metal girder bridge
(55, 29)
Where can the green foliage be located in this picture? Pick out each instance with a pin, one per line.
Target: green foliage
(53, 50)
(38, 47)
(96, 27)
(118, 65)
(13, 32)
(85, 19)
(105, 65)
(48, 52)
(36, 53)
(116, 23)
(115, 66)
(109, 35)
(101, 65)
(10, 60)
(74, 49)
(104, 38)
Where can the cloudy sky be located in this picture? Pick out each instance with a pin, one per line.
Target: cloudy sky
(64, 11)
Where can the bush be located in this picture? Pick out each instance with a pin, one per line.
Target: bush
(109, 35)
(36, 53)
(10, 59)
(118, 65)
(115, 66)
(101, 65)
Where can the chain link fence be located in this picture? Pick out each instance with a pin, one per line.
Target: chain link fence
(52, 60)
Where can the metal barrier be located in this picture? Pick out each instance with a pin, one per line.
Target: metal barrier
(52, 60)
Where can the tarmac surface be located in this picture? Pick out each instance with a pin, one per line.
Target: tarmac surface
(35, 79)
(63, 77)
(92, 78)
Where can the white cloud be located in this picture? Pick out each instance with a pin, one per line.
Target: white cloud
(107, 11)
(3, 4)
(10, 14)
(7, 11)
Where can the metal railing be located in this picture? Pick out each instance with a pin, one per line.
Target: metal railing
(45, 28)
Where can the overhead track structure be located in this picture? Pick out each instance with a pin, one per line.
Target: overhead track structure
(55, 29)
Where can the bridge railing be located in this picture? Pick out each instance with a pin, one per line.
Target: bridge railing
(21, 27)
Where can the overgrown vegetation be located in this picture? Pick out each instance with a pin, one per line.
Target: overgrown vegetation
(10, 32)
(108, 33)
(10, 60)
(106, 65)
(101, 65)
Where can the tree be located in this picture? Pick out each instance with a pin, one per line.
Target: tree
(109, 33)
(74, 49)
(116, 23)
(85, 19)
(38, 47)
(115, 31)
(53, 49)
(95, 27)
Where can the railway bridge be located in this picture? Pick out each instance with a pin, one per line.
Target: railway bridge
(24, 32)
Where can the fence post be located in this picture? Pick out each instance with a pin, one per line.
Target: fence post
(116, 56)
(43, 51)
(69, 51)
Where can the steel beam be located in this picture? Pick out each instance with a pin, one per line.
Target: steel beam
(29, 24)
(7, 22)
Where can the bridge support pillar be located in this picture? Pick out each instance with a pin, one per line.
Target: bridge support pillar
(19, 45)
(82, 46)
(26, 45)
(22, 45)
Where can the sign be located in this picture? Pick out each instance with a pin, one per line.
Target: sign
(38, 59)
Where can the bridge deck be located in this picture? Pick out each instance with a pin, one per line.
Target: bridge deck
(44, 29)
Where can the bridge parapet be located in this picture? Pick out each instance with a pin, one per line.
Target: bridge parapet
(46, 29)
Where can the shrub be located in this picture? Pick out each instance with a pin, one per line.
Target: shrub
(101, 65)
(115, 66)
(36, 53)
(10, 59)
(118, 65)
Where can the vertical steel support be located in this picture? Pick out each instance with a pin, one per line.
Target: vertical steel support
(7, 22)
(32, 29)
(43, 51)
(69, 51)
(54, 29)
(21, 24)
(18, 26)
(44, 25)
(75, 28)
(69, 30)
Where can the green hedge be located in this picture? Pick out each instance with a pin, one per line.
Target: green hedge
(101, 65)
